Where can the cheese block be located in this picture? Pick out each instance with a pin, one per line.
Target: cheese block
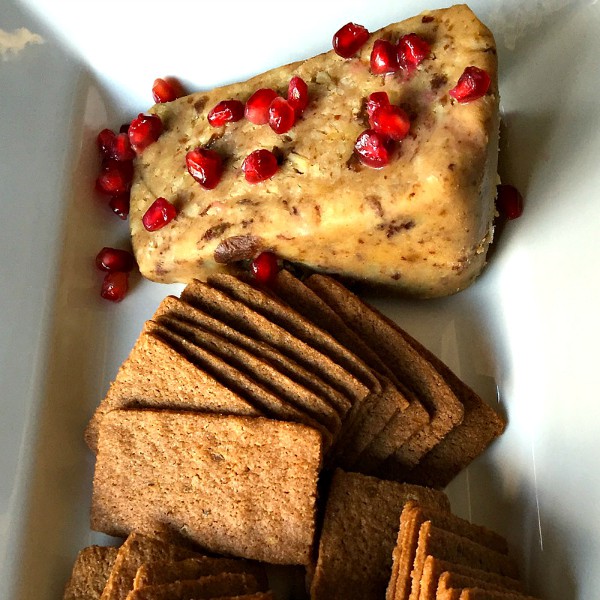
(422, 223)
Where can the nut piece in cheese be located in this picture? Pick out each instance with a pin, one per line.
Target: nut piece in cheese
(422, 223)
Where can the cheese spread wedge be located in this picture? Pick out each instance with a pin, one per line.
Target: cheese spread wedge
(423, 223)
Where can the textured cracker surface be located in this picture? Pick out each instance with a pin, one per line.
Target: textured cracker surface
(359, 533)
(90, 573)
(234, 485)
(422, 224)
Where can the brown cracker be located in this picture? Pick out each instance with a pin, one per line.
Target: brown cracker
(90, 573)
(417, 373)
(451, 580)
(155, 375)
(359, 533)
(136, 550)
(233, 485)
(479, 594)
(160, 572)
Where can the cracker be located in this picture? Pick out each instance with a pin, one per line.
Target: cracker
(359, 532)
(418, 374)
(210, 586)
(233, 485)
(439, 543)
(175, 307)
(160, 572)
(90, 573)
(451, 582)
(479, 594)
(237, 315)
(155, 375)
(136, 550)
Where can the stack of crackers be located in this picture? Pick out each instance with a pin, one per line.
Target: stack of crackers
(149, 568)
(288, 424)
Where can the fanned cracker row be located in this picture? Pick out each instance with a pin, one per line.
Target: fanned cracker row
(439, 556)
(233, 485)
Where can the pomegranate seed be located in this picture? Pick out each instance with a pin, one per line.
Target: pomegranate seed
(373, 149)
(121, 148)
(105, 141)
(509, 201)
(120, 205)
(205, 166)
(375, 100)
(348, 40)
(115, 286)
(144, 130)
(259, 165)
(257, 106)
(265, 267)
(115, 260)
(297, 94)
(472, 85)
(115, 177)
(227, 111)
(166, 90)
(384, 58)
(412, 51)
(282, 115)
(390, 121)
(160, 213)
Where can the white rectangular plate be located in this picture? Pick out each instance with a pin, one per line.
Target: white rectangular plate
(526, 333)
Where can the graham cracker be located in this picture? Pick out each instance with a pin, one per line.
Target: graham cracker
(359, 532)
(440, 543)
(266, 402)
(172, 306)
(238, 316)
(210, 586)
(286, 389)
(480, 426)
(155, 375)
(90, 573)
(444, 408)
(451, 582)
(160, 572)
(136, 550)
(479, 594)
(233, 485)
(404, 554)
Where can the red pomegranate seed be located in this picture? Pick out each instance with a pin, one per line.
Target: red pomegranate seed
(282, 115)
(115, 260)
(227, 111)
(121, 148)
(120, 205)
(160, 213)
(105, 141)
(509, 201)
(390, 121)
(115, 286)
(257, 106)
(144, 130)
(348, 40)
(384, 58)
(259, 165)
(297, 94)
(375, 100)
(412, 51)
(373, 149)
(265, 267)
(115, 177)
(472, 85)
(166, 90)
(205, 166)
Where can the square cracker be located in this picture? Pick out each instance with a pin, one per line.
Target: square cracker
(451, 583)
(233, 485)
(90, 573)
(359, 533)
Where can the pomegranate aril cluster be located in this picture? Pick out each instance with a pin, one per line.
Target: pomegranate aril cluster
(117, 264)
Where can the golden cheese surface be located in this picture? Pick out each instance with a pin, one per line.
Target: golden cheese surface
(422, 223)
